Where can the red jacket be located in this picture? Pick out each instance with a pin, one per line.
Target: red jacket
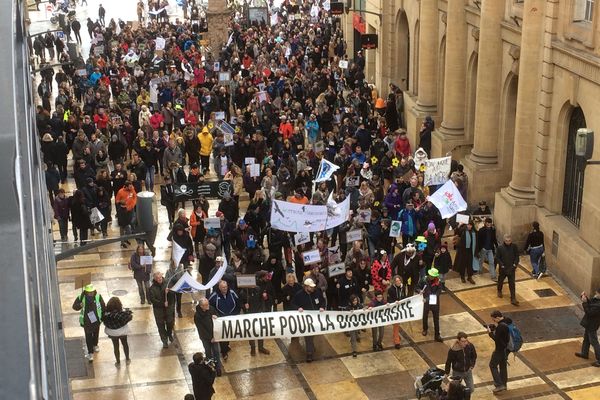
(380, 272)
(156, 120)
(402, 147)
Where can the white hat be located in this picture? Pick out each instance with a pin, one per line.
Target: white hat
(309, 282)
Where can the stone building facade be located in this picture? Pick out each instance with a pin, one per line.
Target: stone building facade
(508, 83)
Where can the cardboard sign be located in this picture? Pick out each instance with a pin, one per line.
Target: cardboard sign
(354, 235)
(301, 238)
(462, 219)
(246, 281)
(83, 280)
(396, 229)
(336, 269)
(146, 260)
(311, 257)
(212, 223)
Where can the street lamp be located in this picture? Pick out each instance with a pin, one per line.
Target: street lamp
(584, 145)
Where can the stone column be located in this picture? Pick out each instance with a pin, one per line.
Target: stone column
(455, 70)
(217, 16)
(521, 184)
(487, 107)
(428, 51)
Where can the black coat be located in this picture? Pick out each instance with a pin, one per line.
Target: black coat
(591, 318)
(204, 322)
(507, 257)
(309, 301)
(460, 359)
(203, 378)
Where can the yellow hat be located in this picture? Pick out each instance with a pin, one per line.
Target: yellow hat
(89, 288)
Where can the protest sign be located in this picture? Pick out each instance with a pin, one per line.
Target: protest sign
(145, 260)
(193, 190)
(363, 216)
(95, 216)
(220, 115)
(333, 254)
(301, 238)
(352, 181)
(285, 324)
(224, 77)
(214, 223)
(217, 66)
(254, 170)
(437, 171)
(187, 283)
(160, 43)
(448, 200)
(462, 219)
(98, 50)
(292, 217)
(311, 257)
(337, 213)
(228, 139)
(354, 235)
(336, 269)
(249, 160)
(396, 229)
(246, 281)
(343, 64)
(83, 280)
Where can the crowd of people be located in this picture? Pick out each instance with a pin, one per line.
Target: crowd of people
(145, 108)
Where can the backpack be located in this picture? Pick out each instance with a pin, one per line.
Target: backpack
(515, 340)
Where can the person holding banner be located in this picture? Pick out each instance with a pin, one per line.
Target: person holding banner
(227, 303)
(395, 293)
(310, 298)
(259, 299)
(354, 304)
(289, 290)
(204, 321)
(378, 331)
(431, 289)
(163, 307)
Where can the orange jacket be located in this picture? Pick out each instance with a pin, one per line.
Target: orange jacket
(129, 197)
(195, 221)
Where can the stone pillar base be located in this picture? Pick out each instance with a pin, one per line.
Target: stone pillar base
(484, 181)
(442, 143)
(513, 216)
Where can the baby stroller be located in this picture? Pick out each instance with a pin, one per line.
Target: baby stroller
(430, 384)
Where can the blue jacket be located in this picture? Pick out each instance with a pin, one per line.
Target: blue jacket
(228, 304)
(409, 222)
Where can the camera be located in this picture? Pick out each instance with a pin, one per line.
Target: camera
(492, 327)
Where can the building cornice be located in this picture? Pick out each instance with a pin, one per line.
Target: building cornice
(580, 63)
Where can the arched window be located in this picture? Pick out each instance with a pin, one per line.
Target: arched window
(574, 171)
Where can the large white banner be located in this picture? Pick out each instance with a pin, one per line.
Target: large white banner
(285, 324)
(292, 217)
(448, 200)
(437, 171)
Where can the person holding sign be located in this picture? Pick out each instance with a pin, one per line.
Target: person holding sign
(227, 303)
(141, 271)
(259, 299)
(310, 298)
(431, 289)
(91, 307)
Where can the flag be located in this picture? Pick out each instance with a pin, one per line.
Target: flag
(448, 200)
(177, 253)
(326, 170)
(187, 283)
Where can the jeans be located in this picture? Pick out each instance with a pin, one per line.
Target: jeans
(143, 287)
(489, 255)
(91, 336)
(498, 368)
(590, 338)
(149, 182)
(63, 227)
(535, 254)
(115, 342)
(377, 335)
(467, 377)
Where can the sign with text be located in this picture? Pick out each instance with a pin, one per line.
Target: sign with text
(190, 191)
(437, 171)
(285, 324)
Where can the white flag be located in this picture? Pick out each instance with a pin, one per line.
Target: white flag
(448, 200)
(177, 253)
(326, 170)
(187, 283)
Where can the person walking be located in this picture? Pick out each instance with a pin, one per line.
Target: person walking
(141, 273)
(91, 308)
(377, 331)
(396, 292)
(203, 377)
(116, 320)
(507, 256)
(487, 244)
(259, 299)
(590, 322)
(431, 291)
(501, 336)
(310, 298)
(535, 248)
(462, 357)
(163, 307)
(203, 319)
(125, 202)
(101, 14)
(76, 27)
(226, 302)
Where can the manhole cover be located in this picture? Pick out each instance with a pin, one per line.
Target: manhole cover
(119, 292)
(545, 292)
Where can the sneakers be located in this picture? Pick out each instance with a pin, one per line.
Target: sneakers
(90, 357)
(96, 349)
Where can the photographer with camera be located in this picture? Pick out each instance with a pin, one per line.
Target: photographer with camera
(203, 376)
(500, 334)
(591, 322)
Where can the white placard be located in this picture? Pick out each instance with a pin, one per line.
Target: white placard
(352, 181)
(311, 257)
(228, 139)
(363, 215)
(254, 170)
(462, 219)
(333, 254)
(212, 223)
(146, 260)
(437, 171)
(217, 66)
(224, 76)
(354, 235)
(301, 238)
(396, 229)
(249, 160)
(160, 43)
(343, 64)
(246, 281)
(220, 115)
(433, 300)
(336, 269)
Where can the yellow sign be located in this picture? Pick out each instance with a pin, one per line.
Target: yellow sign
(204, 42)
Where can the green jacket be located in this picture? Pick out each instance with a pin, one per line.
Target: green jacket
(80, 304)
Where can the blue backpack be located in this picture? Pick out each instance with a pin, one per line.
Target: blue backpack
(515, 340)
